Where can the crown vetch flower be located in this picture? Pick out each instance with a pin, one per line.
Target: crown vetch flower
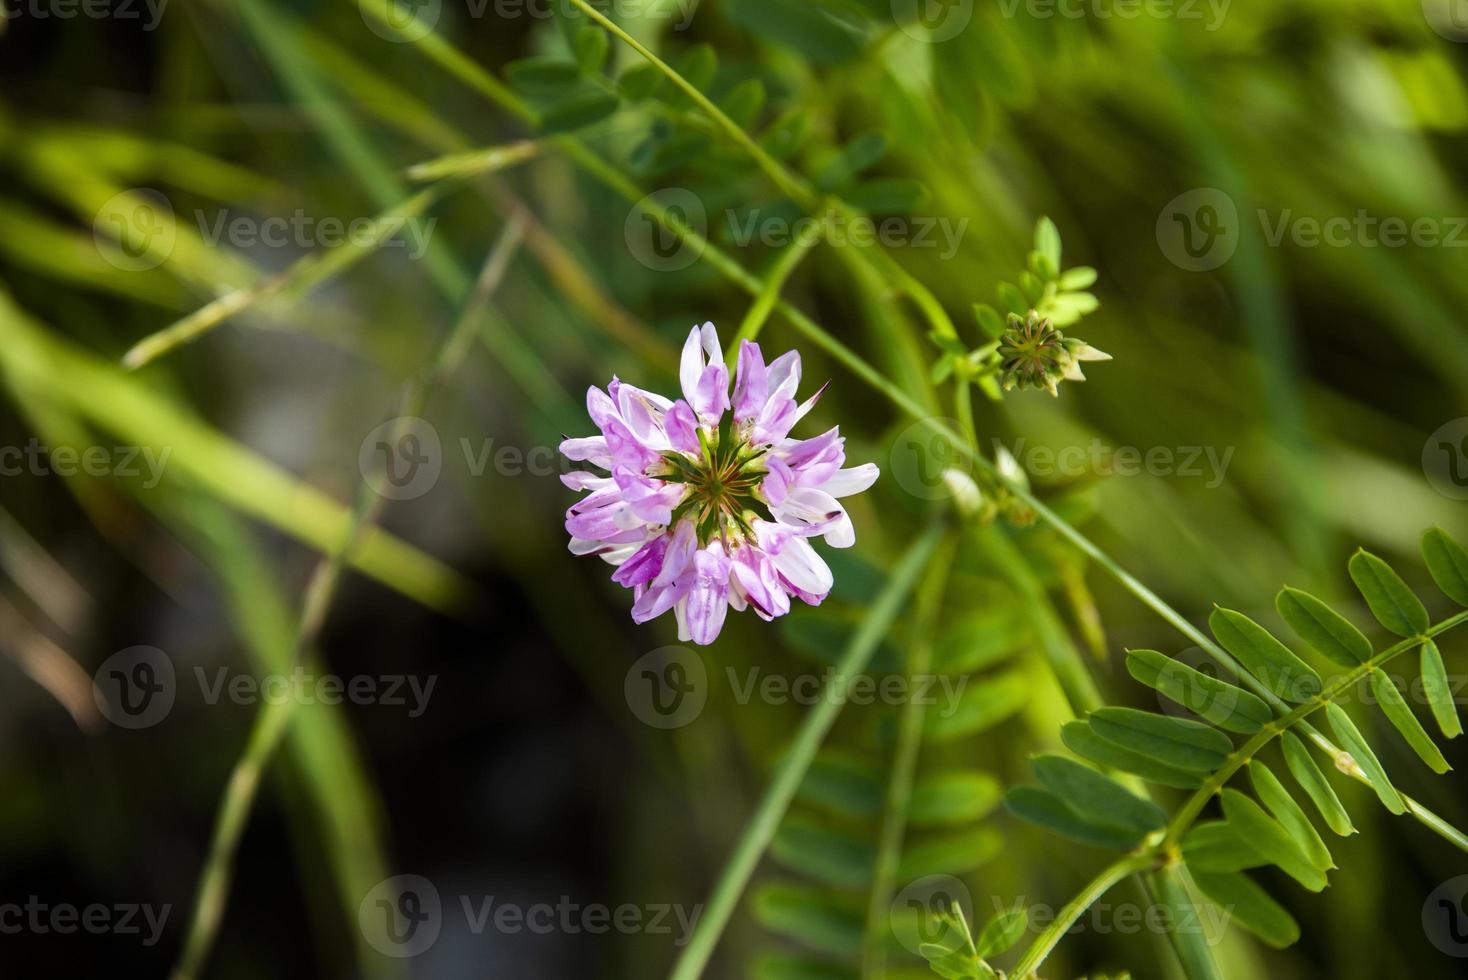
(707, 503)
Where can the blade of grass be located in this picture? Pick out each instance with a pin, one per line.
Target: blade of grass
(208, 460)
(271, 722)
(797, 759)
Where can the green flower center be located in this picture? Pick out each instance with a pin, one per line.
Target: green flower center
(721, 484)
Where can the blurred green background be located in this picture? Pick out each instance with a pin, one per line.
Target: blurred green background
(1182, 150)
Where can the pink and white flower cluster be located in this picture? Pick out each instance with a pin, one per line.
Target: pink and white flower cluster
(701, 510)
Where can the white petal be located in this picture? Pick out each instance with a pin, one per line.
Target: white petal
(853, 479)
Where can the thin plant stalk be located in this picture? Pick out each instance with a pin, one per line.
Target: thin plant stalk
(272, 722)
(791, 771)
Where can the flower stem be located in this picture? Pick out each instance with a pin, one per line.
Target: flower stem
(764, 302)
(792, 769)
(1067, 917)
(904, 764)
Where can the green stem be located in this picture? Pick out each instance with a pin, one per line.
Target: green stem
(787, 182)
(1237, 760)
(904, 765)
(769, 294)
(791, 771)
(1067, 917)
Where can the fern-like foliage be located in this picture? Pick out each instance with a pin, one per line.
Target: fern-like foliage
(1260, 820)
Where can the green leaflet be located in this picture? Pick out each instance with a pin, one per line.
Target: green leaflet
(1270, 839)
(1219, 702)
(1447, 562)
(812, 916)
(953, 798)
(842, 783)
(1328, 632)
(1099, 798)
(1080, 739)
(1002, 932)
(1439, 692)
(1350, 737)
(1185, 926)
(1266, 658)
(1215, 846)
(955, 852)
(1250, 906)
(1044, 809)
(829, 856)
(1393, 604)
(1174, 742)
(1282, 805)
(1314, 783)
(1389, 699)
(987, 702)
